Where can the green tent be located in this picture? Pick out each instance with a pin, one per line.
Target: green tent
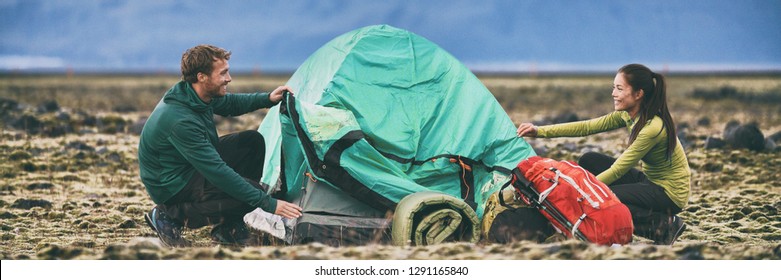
(380, 114)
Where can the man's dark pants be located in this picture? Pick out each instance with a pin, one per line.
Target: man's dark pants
(200, 203)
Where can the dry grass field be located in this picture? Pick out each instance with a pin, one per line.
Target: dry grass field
(69, 186)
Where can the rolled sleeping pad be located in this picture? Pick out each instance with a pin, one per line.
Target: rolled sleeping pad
(428, 218)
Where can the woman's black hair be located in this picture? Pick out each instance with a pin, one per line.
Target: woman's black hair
(654, 101)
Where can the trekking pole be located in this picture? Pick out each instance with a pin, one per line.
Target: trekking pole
(559, 218)
(529, 191)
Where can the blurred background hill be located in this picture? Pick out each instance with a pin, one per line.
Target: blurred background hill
(488, 36)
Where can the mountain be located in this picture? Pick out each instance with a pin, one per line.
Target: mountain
(486, 35)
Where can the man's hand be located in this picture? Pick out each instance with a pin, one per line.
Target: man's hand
(288, 210)
(276, 95)
(527, 129)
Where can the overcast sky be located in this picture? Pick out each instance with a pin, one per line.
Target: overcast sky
(485, 35)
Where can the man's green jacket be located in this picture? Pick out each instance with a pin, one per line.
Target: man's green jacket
(179, 138)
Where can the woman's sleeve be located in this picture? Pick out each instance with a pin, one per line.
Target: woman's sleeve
(582, 128)
(649, 136)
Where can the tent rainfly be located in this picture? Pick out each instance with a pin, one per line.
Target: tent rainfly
(387, 138)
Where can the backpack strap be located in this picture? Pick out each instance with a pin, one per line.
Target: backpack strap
(467, 181)
(520, 178)
(518, 181)
(501, 197)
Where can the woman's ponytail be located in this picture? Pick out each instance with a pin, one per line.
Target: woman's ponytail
(654, 101)
(664, 113)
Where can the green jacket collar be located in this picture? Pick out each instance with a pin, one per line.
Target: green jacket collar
(183, 93)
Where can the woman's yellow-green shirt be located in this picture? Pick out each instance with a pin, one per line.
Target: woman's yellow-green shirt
(650, 146)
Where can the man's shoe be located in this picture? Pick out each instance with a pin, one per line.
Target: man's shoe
(235, 234)
(168, 230)
(676, 228)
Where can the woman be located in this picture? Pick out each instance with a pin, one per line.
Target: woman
(658, 192)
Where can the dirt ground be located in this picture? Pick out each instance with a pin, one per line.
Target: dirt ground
(69, 186)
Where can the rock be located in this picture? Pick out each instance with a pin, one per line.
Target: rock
(770, 145)
(80, 155)
(18, 155)
(540, 150)
(79, 145)
(590, 148)
(683, 137)
(569, 146)
(745, 136)
(57, 130)
(114, 157)
(565, 118)
(7, 215)
(87, 119)
(7, 190)
(712, 166)
(84, 243)
(770, 209)
(30, 203)
(111, 124)
(63, 116)
(85, 225)
(773, 142)
(8, 106)
(40, 186)
(54, 251)
(776, 137)
(148, 243)
(704, 121)
(560, 118)
(56, 215)
(137, 126)
(128, 224)
(730, 128)
(28, 123)
(682, 126)
(691, 252)
(714, 143)
(125, 108)
(29, 166)
(538, 147)
(48, 106)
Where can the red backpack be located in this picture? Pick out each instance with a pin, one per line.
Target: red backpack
(573, 200)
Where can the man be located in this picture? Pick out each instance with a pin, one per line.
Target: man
(194, 177)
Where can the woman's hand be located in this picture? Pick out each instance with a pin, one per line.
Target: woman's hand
(527, 129)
